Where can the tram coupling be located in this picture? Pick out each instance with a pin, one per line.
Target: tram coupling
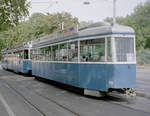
(128, 92)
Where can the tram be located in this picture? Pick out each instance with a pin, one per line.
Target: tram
(99, 58)
(17, 58)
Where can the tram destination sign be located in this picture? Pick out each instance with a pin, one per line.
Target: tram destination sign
(60, 35)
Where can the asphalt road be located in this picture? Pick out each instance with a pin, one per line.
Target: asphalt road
(143, 80)
(26, 96)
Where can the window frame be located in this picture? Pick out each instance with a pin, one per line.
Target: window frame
(114, 49)
(105, 48)
(79, 50)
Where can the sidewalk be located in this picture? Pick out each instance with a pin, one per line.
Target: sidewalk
(143, 81)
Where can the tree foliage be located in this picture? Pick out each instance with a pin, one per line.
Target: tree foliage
(139, 20)
(37, 26)
(11, 12)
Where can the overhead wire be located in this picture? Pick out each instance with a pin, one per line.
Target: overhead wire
(43, 5)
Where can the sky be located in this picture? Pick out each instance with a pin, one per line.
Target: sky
(97, 10)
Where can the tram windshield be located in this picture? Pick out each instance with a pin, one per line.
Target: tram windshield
(124, 49)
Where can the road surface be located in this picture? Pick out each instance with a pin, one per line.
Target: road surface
(26, 96)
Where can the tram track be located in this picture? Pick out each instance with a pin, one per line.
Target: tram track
(114, 99)
(26, 100)
(77, 114)
(34, 106)
(107, 99)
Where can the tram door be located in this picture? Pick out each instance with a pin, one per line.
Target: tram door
(26, 56)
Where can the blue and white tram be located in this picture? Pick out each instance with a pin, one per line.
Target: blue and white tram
(17, 58)
(99, 58)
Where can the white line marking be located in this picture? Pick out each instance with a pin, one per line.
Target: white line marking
(85, 62)
(0, 67)
(9, 110)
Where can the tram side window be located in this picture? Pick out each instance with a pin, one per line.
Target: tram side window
(48, 53)
(73, 51)
(55, 53)
(109, 54)
(18, 55)
(45, 54)
(92, 50)
(42, 54)
(21, 55)
(63, 53)
(33, 54)
(37, 54)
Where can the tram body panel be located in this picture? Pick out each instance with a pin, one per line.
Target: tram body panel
(121, 75)
(67, 73)
(15, 66)
(92, 76)
(4, 64)
(10, 64)
(16, 58)
(27, 66)
(23, 66)
(19, 65)
(98, 77)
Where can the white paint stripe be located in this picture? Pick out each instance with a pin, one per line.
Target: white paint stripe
(9, 110)
(84, 62)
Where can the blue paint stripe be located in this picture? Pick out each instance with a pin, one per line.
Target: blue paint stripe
(81, 37)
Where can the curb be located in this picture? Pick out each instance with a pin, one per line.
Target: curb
(140, 94)
(142, 66)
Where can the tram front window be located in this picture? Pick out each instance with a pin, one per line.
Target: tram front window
(92, 50)
(124, 49)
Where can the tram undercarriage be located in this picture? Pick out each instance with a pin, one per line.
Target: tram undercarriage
(127, 92)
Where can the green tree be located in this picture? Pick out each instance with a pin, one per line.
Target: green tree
(139, 21)
(11, 12)
(47, 24)
(37, 26)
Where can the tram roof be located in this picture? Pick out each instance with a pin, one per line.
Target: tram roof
(105, 28)
(17, 47)
(96, 29)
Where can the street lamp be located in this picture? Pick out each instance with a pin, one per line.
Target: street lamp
(86, 3)
(114, 12)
